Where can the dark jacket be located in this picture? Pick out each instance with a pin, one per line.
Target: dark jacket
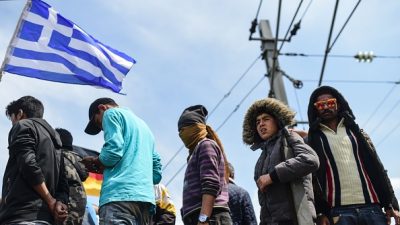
(291, 179)
(34, 157)
(240, 206)
(368, 154)
(288, 160)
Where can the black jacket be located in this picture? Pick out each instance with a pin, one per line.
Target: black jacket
(34, 157)
(373, 165)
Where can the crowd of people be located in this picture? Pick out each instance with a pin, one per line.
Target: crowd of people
(329, 175)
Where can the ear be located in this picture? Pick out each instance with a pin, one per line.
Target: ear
(20, 114)
(102, 107)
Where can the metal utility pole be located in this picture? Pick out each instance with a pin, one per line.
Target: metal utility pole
(270, 55)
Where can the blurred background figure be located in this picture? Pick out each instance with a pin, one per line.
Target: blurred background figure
(240, 205)
(165, 208)
(76, 174)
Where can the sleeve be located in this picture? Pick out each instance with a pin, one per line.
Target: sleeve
(62, 191)
(209, 160)
(22, 144)
(157, 173)
(112, 150)
(392, 201)
(304, 162)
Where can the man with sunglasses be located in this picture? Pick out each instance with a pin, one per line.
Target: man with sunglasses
(351, 186)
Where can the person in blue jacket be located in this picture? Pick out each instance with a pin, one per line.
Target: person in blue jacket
(128, 161)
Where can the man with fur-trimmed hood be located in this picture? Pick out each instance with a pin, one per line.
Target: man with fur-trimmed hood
(283, 170)
(352, 185)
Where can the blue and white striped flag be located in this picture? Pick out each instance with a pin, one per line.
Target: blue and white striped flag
(50, 47)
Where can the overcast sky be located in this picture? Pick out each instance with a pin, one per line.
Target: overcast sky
(193, 52)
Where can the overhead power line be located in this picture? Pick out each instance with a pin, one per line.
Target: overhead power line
(254, 22)
(222, 124)
(295, 28)
(240, 103)
(294, 54)
(388, 134)
(380, 104)
(218, 104)
(234, 85)
(330, 46)
(384, 117)
(358, 81)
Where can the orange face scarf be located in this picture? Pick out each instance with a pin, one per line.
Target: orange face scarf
(193, 134)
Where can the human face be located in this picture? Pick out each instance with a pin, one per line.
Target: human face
(266, 125)
(326, 106)
(98, 117)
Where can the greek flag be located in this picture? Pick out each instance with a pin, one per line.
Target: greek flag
(48, 46)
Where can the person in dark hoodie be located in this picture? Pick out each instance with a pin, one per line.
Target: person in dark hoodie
(35, 190)
(352, 185)
(283, 170)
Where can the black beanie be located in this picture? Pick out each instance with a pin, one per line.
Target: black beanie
(66, 138)
(191, 115)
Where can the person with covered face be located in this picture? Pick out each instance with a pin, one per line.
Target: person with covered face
(283, 170)
(205, 188)
(353, 185)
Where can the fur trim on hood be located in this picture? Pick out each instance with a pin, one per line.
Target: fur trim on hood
(271, 106)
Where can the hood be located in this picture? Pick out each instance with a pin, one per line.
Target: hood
(344, 108)
(274, 107)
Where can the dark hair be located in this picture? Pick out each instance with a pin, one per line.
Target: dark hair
(66, 138)
(231, 171)
(32, 107)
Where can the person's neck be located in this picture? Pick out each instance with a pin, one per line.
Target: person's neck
(332, 124)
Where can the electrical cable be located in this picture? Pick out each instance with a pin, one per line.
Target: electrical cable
(241, 101)
(305, 11)
(275, 53)
(292, 54)
(217, 105)
(379, 106)
(222, 124)
(234, 85)
(388, 134)
(291, 23)
(344, 25)
(357, 81)
(327, 49)
(384, 117)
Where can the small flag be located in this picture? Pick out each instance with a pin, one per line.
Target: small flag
(93, 183)
(48, 46)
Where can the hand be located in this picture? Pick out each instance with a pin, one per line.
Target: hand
(393, 213)
(93, 164)
(60, 212)
(302, 133)
(52, 204)
(322, 220)
(263, 182)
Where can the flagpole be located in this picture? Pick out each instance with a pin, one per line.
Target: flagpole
(17, 29)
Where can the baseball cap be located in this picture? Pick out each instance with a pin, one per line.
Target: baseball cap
(91, 127)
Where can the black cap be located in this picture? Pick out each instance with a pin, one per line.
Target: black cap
(193, 114)
(91, 127)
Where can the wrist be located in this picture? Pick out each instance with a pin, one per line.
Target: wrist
(203, 218)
